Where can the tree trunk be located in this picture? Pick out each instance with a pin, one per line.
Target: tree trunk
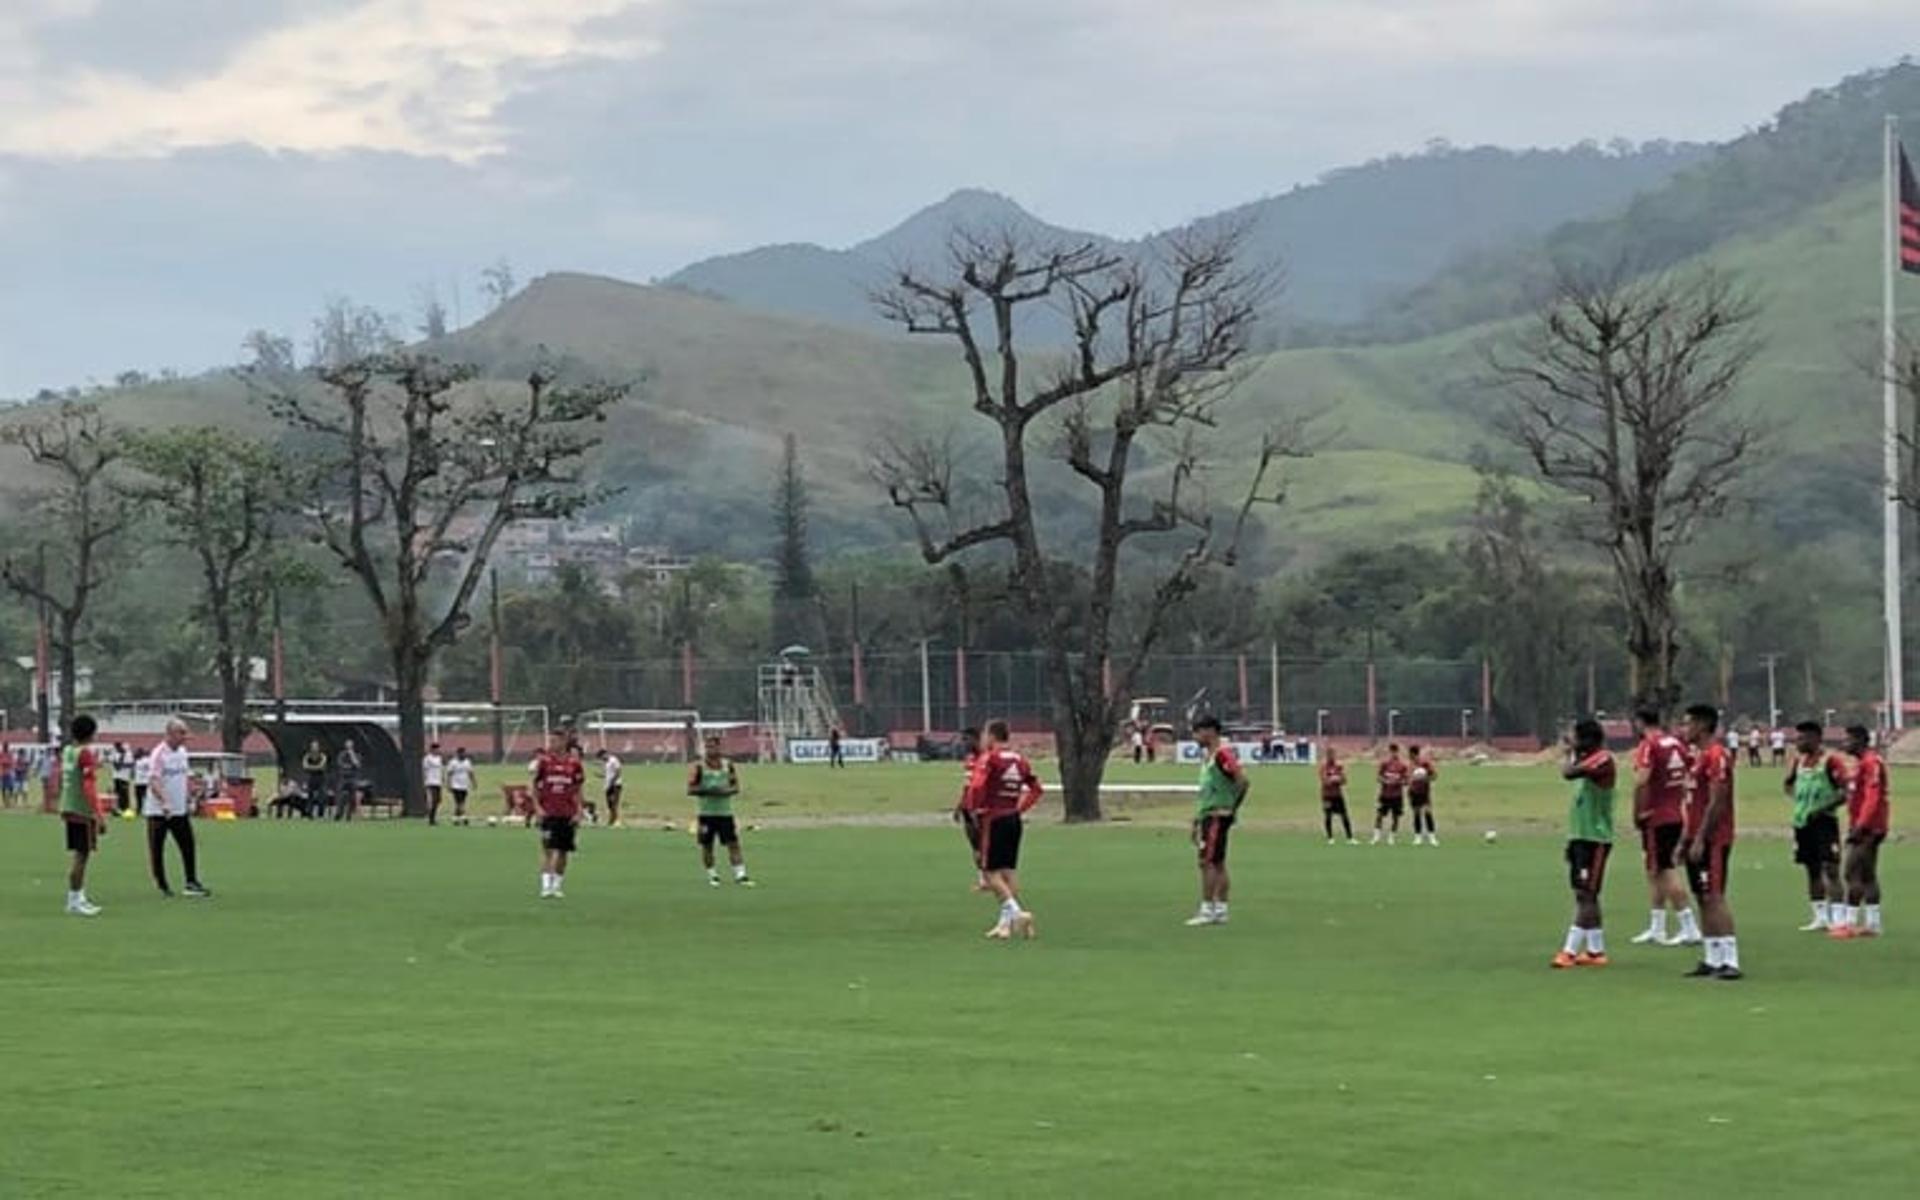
(410, 686)
(1083, 764)
(69, 675)
(233, 707)
(1651, 653)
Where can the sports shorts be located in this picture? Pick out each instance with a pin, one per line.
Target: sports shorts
(1587, 865)
(999, 845)
(558, 834)
(1391, 806)
(1708, 877)
(1818, 841)
(1210, 838)
(719, 829)
(1660, 844)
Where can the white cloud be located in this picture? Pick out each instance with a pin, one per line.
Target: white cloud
(421, 77)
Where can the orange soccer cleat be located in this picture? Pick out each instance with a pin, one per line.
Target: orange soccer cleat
(1563, 960)
(1843, 933)
(1590, 960)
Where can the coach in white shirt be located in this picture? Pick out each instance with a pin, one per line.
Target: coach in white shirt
(168, 809)
(610, 774)
(434, 769)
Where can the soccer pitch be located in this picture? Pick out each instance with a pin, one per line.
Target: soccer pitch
(384, 1009)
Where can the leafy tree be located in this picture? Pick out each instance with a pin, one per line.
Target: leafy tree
(412, 472)
(796, 597)
(224, 500)
(78, 513)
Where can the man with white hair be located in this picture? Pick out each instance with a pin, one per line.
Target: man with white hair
(168, 810)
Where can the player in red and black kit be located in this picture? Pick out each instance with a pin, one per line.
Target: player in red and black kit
(1709, 842)
(1421, 774)
(559, 778)
(1001, 790)
(1394, 772)
(1333, 793)
(1662, 769)
(1867, 824)
(968, 819)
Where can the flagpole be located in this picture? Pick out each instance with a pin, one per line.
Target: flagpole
(1890, 402)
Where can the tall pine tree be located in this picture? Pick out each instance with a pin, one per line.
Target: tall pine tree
(796, 600)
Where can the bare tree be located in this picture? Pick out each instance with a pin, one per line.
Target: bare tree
(418, 472)
(346, 333)
(80, 512)
(1623, 395)
(497, 283)
(1154, 349)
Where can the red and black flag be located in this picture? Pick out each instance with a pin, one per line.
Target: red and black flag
(1909, 217)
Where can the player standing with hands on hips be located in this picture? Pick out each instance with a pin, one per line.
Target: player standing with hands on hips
(558, 779)
(1002, 790)
(713, 783)
(1223, 786)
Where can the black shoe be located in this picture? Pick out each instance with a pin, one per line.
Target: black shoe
(1728, 973)
(197, 892)
(1703, 971)
(166, 893)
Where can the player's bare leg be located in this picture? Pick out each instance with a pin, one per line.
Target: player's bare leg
(1586, 944)
(706, 860)
(613, 812)
(1014, 920)
(739, 862)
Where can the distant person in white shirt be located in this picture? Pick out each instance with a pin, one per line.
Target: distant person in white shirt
(122, 778)
(168, 809)
(434, 768)
(610, 767)
(1777, 741)
(142, 776)
(460, 783)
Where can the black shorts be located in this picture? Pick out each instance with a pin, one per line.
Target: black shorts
(1333, 804)
(613, 794)
(82, 836)
(719, 829)
(433, 792)
(1420, 799)
(970, 821)
(558, 834)
(1210, 838)
(1391, 806)
(1708, 877)
(1817, 843)
(1660, 844)
(999, 846)
(459, 796)
(1587, 865)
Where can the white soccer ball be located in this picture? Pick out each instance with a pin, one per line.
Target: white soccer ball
(1419, 774)
(1492, 836)
(492, 821)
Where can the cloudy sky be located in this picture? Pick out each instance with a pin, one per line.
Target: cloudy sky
(175, 172)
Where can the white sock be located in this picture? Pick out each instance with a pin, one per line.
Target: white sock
(1715, 956)
(740, 870)
(1657, 923)
(1842, 915)
(1596, 941)
(1009, 909)
(1820, 912)
(558, 879)
(546, 881)
(1730, 953)
(1688, 927)
(74, 897)
(1220, 909)
(1873, 917)
(713, 872)
(1576, 940)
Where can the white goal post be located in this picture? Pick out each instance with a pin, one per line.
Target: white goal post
(644, 734)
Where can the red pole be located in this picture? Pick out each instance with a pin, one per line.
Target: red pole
(859, 676)
(1244, 702)
(686, 675)
(1373, 702)
(960, 683)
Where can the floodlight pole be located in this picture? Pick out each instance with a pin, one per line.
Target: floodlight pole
(495, 665)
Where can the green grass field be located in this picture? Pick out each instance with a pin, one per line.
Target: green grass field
(384, 1009)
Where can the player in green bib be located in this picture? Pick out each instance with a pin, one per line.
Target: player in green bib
(1223, 785)
(1817, 783)
(82, 815)
(713, 783)
(1589, 842)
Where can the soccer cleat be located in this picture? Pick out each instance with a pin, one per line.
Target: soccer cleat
(1023, 925)
(713, 880)
(556, 894)
(83, 907)
(1353, 841)
(1199, 919)
(1729, 974)
(1563, 960)
(1000, 932)
(744, 881)
(1815, 926)
(1433, 839)
(980, 885)
(1683, 939)
(1586, 958)
(1702, 971)
(166, 893)
(198, 891)
(1843, 933)
(1649, 936)
(1393, 839)
(1376, 838)
(1866, 932)
(1329, 841)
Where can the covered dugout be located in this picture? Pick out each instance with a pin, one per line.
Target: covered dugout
(383, 768)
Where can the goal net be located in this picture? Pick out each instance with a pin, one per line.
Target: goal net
(644, 734)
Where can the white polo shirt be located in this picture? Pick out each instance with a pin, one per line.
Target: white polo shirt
(432, 766)
(460, 774)
(167, 784)
(610, 770)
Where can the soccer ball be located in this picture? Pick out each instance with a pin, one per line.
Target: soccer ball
(492, 821)
(1419, 774)
(1492, 837)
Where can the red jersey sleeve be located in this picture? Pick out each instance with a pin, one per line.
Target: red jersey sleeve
(1600, 768)
(89, 782)
(974, 796)
(1227, 761)
(1031, 789)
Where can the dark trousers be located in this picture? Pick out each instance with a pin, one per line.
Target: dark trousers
(316, 794)
(181, 830)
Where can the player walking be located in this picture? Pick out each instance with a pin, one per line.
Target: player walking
(460, 782)
(433, 770)
(1421, 773)
(558, 779)
(1589, 843)
(1001, 790)
(1817, 782)
(1393, 774)
(1867, 813)
(1223, 787)
(714, 783)
(1709, 841)
(1333, 794)
(83, 815)
(168, 809)
(1662, 769)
